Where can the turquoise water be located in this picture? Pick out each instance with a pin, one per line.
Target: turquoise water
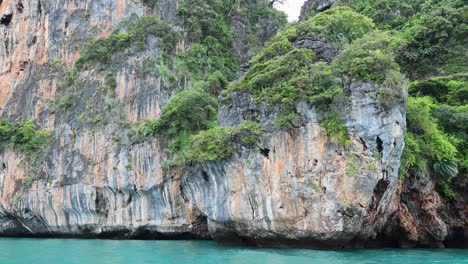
(59, 251)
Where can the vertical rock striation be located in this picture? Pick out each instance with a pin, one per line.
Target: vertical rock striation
(295, 188)
(298, 188)
(96, 186)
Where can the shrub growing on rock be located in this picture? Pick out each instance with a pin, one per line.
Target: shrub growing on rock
(340, 25)
(371, 58)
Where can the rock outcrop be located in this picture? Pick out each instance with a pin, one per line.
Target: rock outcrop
(295, 188)
(98, 183)
(96, 186)
(299, 189)
(311, 7)
(424, 218)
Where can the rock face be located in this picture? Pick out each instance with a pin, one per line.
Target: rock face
(97, 186)
(424, 218)
(97, 183)
(315, 6)
(298, 188)
(295, 188)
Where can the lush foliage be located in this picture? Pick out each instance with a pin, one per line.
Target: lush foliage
(206, 18)
(387, 14)
(434, 32)
(133, 39)
(25, 136)
(452, 90)
(189, 111)
(187, 122)
(340, 25)
(431, 142)
(207, 26)
(221, 142)
(371, 58)
(433, 54)
(206, 60)
(335, 128)
(282, 74)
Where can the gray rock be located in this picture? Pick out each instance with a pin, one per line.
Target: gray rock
(311, 7)
(324, 50)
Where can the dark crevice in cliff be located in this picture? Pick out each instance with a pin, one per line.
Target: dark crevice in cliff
(200, 226)
(363, 143)
(129, 200)
(265, 152)
(6, 19)
(379, 191)
(205, 176)
(32, 41)
(101, 203)
(325, 7)
(20, 7)
(228, 237)
(39, 8)
(457, 239)
(379, 145)
(251, 207)
(23, 65)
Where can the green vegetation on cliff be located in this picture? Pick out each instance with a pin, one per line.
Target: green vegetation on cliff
(371, 58)
(385, 42)
(435, 32)
(285, 73)
(340, 25)
(380, 41)
(188, 121)
(133, 39)
(433, 54)
(24, 136)
(221, 142)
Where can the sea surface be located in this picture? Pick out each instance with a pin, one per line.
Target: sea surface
(71, 251)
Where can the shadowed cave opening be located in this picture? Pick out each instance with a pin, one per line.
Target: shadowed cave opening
(6, 19)
(379, 191)
(101, 203)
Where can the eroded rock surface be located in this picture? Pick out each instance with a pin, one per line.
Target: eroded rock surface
(295, 188)
(298, 188)
(311, 7)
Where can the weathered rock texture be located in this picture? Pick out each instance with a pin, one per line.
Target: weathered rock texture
(311, 7)
(94, 183)
(296, 188)
(96, 186)
(424, 218)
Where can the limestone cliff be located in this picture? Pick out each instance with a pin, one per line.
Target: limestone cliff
(295, 187)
